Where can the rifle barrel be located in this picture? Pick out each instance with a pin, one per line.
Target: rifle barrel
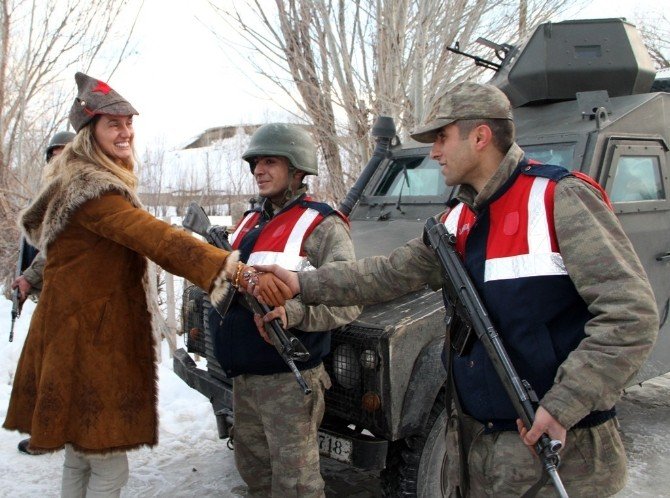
(16, 295)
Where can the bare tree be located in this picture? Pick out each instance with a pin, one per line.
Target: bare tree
(151, 178)
(655, 32)
(41, 43)
(237, 180)
(352, 60)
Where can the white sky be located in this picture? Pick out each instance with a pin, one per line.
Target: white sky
(181, 81)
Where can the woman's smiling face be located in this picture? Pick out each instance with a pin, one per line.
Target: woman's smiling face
(115, 135)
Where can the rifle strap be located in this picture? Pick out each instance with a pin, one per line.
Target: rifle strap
(535, 488)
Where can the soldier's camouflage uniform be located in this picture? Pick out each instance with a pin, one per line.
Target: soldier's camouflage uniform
(275, 433)
(608, 276)
(33, 275)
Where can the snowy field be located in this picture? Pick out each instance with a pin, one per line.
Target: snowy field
(188, 438)
(190, 460)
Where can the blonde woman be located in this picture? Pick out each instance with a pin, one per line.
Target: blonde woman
(86, 379)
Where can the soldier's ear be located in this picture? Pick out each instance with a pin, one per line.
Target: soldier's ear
(299, 174)
(483, 136)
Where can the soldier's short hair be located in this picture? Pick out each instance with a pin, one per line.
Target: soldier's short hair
(503, 131)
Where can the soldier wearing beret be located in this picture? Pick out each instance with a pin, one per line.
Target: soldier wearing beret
(86, 378)
(562, 284)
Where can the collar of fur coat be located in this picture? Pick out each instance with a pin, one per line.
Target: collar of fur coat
(48, 215)
(75, 183)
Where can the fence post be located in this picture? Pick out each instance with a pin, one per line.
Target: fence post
(171, 321)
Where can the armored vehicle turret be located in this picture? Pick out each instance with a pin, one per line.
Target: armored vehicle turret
(561, 59)
(581, 91)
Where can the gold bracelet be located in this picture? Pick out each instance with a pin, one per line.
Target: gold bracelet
(238, 272)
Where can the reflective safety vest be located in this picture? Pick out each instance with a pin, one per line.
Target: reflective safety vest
(521, 240)
(281, 239)
(238, 346)
(511, 252)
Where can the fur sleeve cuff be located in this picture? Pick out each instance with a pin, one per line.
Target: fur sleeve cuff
(221, 285)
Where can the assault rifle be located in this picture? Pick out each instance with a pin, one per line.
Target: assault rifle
(16, 295)
(473, 316)
(288, 346)
(502, 50)
(26, 255)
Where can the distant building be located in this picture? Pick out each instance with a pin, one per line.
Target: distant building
(209, 170)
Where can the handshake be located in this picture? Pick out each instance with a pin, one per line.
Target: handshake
(270, 284)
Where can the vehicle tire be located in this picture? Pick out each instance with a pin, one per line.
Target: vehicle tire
(415, 465)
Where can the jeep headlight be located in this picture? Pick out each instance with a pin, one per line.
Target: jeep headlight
(346, 366)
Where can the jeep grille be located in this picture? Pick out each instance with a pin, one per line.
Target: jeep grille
(355, 365)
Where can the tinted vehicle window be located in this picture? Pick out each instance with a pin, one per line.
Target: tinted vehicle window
(413, 176)
(637, 178)
(560, 154)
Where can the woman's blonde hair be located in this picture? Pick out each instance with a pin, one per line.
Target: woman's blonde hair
(85, 148)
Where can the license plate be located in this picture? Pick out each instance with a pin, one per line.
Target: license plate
(335, 447)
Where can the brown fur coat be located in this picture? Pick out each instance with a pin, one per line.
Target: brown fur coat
(87, 373)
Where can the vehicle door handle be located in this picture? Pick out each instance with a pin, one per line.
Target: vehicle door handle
(663, 257)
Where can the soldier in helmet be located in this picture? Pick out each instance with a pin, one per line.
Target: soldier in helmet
(561, 282)
(275, 433)
(58, 143)
(29, 282)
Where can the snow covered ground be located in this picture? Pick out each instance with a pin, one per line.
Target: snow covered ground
(190, 460)
(188, 438)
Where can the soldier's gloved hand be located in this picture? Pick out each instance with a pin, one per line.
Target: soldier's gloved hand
(269, 289)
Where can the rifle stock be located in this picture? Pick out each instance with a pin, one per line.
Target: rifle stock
(287, 345)
(470, 309)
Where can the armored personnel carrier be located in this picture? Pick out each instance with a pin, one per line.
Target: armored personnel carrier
(582, 92)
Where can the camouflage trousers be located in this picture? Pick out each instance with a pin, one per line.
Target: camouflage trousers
(275, 433)
(593, 462)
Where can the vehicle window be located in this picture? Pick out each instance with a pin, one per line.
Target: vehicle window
(637, 178)
(559, 154)
(413, 176)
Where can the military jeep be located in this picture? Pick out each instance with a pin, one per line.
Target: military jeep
(582, 92)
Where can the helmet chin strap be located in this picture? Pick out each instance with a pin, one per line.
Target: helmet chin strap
(289, 193)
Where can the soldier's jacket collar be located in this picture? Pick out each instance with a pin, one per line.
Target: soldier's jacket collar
(467, 195)
(269, 209)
